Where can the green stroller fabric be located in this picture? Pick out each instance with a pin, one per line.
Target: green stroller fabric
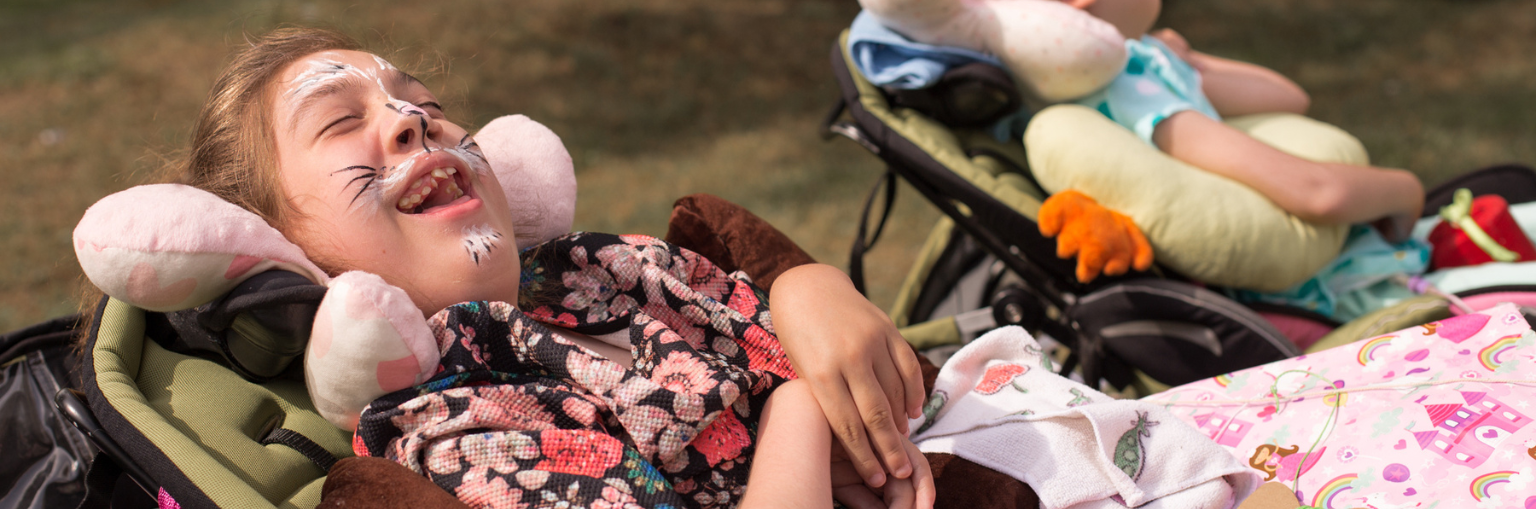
(195, 427)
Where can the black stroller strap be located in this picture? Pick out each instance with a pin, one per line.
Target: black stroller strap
(863, 242)
(311, 450)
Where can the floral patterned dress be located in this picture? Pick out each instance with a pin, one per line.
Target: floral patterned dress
(520, 417)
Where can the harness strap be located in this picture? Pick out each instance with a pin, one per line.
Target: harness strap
(311, 450)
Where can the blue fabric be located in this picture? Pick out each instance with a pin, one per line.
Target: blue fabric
(1155, 84)
(890, 59)
(1358, 281)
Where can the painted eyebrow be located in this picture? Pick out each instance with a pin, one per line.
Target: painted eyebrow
(303, 109)
(400, 79)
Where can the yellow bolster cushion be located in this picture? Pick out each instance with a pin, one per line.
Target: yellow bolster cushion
(1203, 225)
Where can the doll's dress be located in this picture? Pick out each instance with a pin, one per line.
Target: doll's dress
(1155, 84)
(518, 415)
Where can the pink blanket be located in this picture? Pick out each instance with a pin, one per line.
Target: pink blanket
(1437, 415)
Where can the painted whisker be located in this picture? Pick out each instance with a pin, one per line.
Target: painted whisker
(423, 119)
(479, 241)
(371, 175)
(472, 148)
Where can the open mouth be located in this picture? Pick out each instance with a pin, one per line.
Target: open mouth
(439, 187)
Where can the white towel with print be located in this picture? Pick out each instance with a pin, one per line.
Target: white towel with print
(998, 403)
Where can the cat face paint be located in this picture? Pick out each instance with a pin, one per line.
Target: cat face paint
(480, 241)
(384, 183)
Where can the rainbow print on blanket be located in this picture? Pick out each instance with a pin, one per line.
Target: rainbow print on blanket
(1438, 415)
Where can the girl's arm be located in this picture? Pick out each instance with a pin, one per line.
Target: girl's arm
(863, 373)
(792, 466)
(1239, 88)
(1324, 193)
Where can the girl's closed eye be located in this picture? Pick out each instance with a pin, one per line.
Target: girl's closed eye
(337, 126)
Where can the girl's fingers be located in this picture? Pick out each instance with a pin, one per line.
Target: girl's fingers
(858, 496)
(922, 478)
(843, 474)
(911, 375)
(847, 425)
(889, 378)
(880, 423)
(899, 494)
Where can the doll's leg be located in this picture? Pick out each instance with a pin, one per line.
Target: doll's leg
(1317, 192)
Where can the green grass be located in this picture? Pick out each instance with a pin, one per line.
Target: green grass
(660, 98)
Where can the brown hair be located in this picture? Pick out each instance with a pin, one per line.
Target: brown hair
(232, 146)
(1264, 452)
(232, 152)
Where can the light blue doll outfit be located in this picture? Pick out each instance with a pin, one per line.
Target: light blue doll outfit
(1155, 84)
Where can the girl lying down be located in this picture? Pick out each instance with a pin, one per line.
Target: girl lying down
(601, 370)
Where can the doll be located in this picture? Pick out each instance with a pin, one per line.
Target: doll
(1172, 98)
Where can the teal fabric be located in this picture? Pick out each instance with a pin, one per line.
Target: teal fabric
(1358, 281)
(1155, 84)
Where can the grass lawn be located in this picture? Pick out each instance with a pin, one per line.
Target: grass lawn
(660, 98)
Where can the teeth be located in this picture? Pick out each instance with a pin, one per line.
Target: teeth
(429, 183)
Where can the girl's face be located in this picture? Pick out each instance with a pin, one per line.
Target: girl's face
(383, 183)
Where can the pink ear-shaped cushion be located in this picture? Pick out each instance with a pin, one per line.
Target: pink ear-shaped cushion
(167, 247)
(1055, 51)
(368, 340)
(536, 172)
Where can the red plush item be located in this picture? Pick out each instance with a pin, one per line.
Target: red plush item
(1452, 247)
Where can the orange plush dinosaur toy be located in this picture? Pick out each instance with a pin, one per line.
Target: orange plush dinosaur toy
(1103, 240)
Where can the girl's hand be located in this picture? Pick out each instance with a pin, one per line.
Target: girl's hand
(863, 373)
(914, 492)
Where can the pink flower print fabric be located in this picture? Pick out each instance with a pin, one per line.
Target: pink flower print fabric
(1437, 415)
(517, 416)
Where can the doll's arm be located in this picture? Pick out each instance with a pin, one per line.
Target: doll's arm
(1239, 88)
(1324, 193)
